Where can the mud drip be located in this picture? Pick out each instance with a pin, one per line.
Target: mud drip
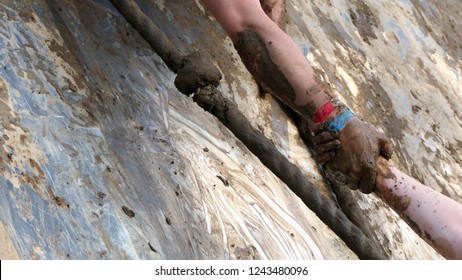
(210, 99)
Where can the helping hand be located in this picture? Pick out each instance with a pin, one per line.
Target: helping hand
(350, 156)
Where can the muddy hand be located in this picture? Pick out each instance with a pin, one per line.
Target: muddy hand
(349, 155)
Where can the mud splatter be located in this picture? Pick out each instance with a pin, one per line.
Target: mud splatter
(129, 212)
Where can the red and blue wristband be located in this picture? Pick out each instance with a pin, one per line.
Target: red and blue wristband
(338, 122)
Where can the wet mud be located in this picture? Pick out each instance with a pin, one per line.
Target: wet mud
(196, 71)
(256, 57)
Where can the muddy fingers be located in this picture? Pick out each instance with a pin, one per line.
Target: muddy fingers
(326, 151)
(349, 150)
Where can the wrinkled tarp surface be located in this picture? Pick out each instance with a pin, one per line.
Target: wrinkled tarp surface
(102, 158)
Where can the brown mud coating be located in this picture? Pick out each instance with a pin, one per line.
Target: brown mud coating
(365, 21)
(384, 168)
(196, 71)
(399, 203)
(355, 163)
(257, 59)
(212, 101)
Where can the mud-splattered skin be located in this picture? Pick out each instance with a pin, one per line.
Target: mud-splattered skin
(435, 217)
(401, 204)
(256, 57)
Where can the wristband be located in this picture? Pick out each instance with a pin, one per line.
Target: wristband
(339, 122)
(323, 112)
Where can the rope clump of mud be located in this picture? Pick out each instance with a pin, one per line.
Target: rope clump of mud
(199, 76)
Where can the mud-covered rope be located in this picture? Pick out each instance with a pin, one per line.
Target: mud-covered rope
(160, 43)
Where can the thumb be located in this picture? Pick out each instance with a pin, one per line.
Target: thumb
(386, 149)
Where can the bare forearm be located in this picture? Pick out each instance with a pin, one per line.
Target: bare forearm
(271, 55)
(436, 217)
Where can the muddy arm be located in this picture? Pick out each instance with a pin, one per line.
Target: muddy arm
(436, 217)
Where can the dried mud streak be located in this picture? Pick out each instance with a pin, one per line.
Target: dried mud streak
(448, 23)
(364, 20)
(129, 212)
(17, 152)
(211, 100)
